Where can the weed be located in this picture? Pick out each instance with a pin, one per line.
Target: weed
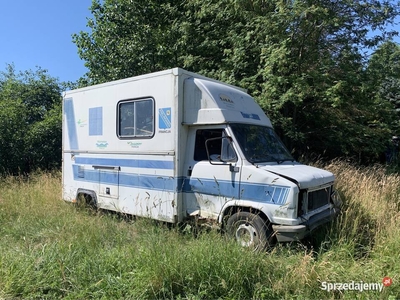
(52, 249)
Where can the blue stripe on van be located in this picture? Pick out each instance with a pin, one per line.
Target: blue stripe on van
(134, 180)
(249, 191)
(132, 163)
(268, 193)
(71, 124)
(229, 189)
(225, 188)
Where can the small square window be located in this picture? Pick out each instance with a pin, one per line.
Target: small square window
(136, 118)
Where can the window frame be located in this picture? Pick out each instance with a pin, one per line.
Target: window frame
(200, 151)
(134, 136)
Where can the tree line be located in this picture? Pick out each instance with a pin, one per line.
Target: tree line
(326, 72)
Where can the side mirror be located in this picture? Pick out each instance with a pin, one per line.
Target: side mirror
(220, 150)
(228, 154)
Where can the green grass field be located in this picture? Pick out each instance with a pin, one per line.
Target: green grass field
(50, 249)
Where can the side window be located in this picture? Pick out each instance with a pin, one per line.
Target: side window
(200, 151)
(136, 118)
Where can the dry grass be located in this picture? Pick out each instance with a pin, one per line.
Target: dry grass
(372, 199)
(50, 249)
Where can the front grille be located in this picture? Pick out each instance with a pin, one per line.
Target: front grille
(309, 201)
(319, 198)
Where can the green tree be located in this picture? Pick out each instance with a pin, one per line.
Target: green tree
(313, 71)
(302, 59)
(12, 135)
(128, 38)
(384, 79)
(30, 121)
(384, 85)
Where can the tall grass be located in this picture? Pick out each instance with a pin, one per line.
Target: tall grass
(51, 249)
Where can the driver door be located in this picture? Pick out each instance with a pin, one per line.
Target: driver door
(211, 182)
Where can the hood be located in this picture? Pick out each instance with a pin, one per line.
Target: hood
(305, 176)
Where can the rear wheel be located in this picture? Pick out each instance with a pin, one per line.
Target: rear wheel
(86, 200)
(250, 230)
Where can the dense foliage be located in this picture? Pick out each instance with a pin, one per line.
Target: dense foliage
(330, 86)
(304, 61)
(384, 74)
(30, 121)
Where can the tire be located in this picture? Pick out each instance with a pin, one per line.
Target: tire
(250, 230)
(87, 200)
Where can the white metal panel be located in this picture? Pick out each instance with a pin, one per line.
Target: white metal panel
(208, 187)
(211, 102)
(104, 99)
(133, 175)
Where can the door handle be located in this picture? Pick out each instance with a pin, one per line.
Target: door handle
(189, 172)
(233, 169)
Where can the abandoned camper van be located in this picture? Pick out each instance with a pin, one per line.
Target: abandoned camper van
(174, 145)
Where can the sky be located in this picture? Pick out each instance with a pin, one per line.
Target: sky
(38, 33)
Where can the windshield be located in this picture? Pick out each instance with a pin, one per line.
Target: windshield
(260, 144)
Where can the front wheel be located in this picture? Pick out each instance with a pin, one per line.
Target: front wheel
(250, 230)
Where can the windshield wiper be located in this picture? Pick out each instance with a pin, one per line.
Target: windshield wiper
(261, 158)
(286, 159)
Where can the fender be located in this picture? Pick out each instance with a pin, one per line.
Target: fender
(245, 204)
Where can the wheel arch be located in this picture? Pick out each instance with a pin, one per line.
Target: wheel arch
(85, 193)
(234, 208)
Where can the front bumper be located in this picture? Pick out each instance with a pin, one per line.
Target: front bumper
(289, 233)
